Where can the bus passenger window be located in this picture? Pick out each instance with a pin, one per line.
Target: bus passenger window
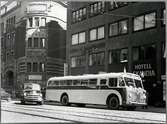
(63, 83)
(56, 83)
(76, 83)
(92, 83)
(69, 82)
(103, 82)
(84, 82)
(121, 82)
(112, 82)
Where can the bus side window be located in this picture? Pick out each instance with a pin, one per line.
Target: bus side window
(69, 82)
(103, 82)
(112, 82)
(121, 82)
(84, 82)
(92, 83)
(76, 82)
(55, 83)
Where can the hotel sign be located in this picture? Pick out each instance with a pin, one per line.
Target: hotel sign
(147, 69)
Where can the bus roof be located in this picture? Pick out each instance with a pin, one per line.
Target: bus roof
(93, 76)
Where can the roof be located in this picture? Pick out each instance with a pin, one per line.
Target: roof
(92, 76)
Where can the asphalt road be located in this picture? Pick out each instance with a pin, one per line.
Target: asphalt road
(14, 112)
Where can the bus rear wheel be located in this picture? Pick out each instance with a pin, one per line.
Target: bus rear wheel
(113, 103)
(65, 100)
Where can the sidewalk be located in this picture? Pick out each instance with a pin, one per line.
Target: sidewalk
(152, 109)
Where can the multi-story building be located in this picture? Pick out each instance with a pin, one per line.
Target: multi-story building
(113, 36)
(33, 38)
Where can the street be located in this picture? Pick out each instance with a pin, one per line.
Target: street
(14, 112)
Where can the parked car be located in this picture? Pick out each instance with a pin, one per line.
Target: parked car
(5, 95)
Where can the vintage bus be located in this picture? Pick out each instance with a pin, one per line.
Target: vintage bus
(111, 89)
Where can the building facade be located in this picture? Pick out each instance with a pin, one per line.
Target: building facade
(111, 36)
(32, 43)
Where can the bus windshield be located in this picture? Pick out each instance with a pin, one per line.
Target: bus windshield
(138, 83)
(129, 81)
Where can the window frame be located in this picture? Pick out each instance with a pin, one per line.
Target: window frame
(97, 33)
(93, 12)
(144, 27)
(95, 56)
(78, 38)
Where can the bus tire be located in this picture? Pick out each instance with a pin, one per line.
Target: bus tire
(113, 102)
(64, 100)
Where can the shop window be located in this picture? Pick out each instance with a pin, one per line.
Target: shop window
(114, 56)
(29, 42)
(124, 55)
(35, 67)
(29, 67)
(96, 59)
(36, 42)
(78, 61)
(143, 52)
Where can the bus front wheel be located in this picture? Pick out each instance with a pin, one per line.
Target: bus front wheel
(65, 100)
(113, 103)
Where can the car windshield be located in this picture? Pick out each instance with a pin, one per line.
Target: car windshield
(129, 81)
(138, 83)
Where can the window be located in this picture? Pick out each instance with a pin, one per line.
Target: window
(93, 34)
(29, 42)
(41, 67)
(79, 15)
(96, 59)
(30, 22)
(150, 20)
(103, 82)
(97, 33)
(78, 61)
(35, 67)
(92, 83)
(78, 38)
(36, 21)
(113, 29)
(124, 55)
(144, 21)
(143, 52)
(84, 82)
(112, 82)
(28, 67)
(74, 39)
(117, 56)
(117, 28)
(115, 5)
(35, 42)
(2, 27)
(97, 8)
(123, 28)
(82, 37)
(43, 21)
(42, 42)
(76, 83)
